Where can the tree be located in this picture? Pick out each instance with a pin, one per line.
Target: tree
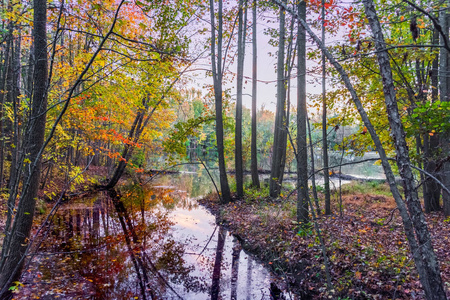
(302, 146)
(17, 238)
(217, 79)
(431, 189)
(254, 153)
(280, 133)
(432, 281)
(326, 175)
(242, 20)
(444, 86)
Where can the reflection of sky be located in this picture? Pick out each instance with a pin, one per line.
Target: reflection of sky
(172, 224)
(194, 227)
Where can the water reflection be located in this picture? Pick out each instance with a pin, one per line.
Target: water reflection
(156, 243)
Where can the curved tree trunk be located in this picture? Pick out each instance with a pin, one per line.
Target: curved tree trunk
(432, 281)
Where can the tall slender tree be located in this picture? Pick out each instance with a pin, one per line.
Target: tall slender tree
(254, 153)
(242, 25)
(431, 189)
(444, 86)
(280, 133)
(217, 79)
(302, 147)
(326, 175)
(17, 241)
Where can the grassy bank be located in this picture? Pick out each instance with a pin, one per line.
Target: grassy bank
(369, 256)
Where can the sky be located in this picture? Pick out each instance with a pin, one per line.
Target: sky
(266, 91)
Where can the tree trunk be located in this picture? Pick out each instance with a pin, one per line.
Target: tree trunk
(15, 99)
(445, 96)
(431, 189)
(240, 76)
(432, 281)
(313, 169)
(217, 77)
(280, 134)
(302, 147)
(21, 227)
(3, 86)
(133, 135)
(254, 153)
(326, 175)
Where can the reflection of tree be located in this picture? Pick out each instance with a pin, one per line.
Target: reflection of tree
(235, 268)
(136, 259)
(249, 278)
(118, 248)
(171, 260)
(215, 287)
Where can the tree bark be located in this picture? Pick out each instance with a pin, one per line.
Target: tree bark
(432, 191)
(217, 77)
(240, 77)
(444, 86)
(313, 169)
(326, 175)
(20, 232)
(3, 85)
(254, 153)
(302, 147)
(280, 134)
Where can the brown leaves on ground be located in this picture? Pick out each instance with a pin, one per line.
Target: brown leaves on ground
(368, 253)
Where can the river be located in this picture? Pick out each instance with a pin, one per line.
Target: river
(154, 242)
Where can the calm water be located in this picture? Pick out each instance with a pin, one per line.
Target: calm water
(153, 243)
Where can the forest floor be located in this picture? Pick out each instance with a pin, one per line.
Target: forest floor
(366, 247)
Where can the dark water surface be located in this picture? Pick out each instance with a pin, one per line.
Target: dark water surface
(152, 243)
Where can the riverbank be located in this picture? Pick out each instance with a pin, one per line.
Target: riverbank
(369, 256)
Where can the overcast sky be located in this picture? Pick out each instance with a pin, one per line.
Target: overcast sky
(266, 71)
